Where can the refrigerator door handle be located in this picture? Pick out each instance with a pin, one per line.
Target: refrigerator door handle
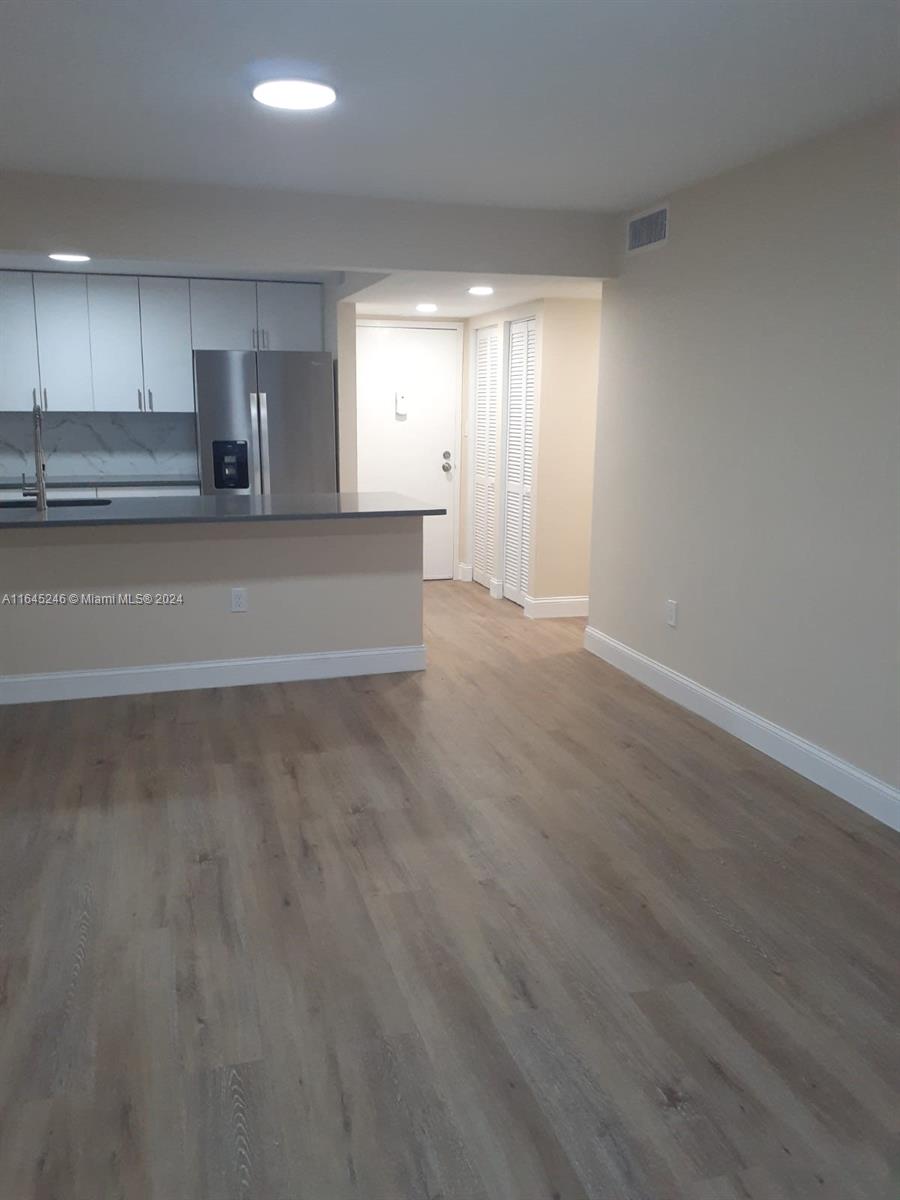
(264, 443)
(256, 481)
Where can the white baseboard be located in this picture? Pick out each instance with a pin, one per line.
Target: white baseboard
(464, 572)
(496, 589)
(857, 787)
(172, 677)
(556, 606)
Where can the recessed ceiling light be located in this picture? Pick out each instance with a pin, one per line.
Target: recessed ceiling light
(70, 257)
(295, 94)
(481, 289)
(426, 308)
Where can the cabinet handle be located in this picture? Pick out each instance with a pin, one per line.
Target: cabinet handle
(150, 398)
(253, 338)
(140, 401)
(46, 405)
(265, 339)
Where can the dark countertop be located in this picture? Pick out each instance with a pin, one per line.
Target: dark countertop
(178, 510)
(13, 483)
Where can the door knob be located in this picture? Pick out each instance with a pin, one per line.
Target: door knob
(445, 467)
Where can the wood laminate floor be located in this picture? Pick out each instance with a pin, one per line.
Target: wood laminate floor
(512, 929)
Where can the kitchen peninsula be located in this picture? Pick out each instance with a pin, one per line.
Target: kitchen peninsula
(207, 591)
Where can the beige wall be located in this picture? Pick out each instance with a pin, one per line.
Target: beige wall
(339, 336)
(749, 439)
(263, 230)
(345, 351)
(312, 586)
(567, 418)
(567, 334)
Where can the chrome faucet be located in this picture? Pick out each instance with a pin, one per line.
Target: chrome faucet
(39, 491)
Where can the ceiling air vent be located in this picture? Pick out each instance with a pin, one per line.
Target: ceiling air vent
(648, 229)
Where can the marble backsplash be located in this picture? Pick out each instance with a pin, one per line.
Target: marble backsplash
(99, 444)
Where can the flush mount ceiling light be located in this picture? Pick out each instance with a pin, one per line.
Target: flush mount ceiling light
(481, 289)
(70, 257)
(298, 95)
(426, 308)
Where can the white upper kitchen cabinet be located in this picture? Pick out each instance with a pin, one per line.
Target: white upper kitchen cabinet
(290, 316)
(166, 334)
(223, 314)
(64, 341)
(20, 379)
(115, 320)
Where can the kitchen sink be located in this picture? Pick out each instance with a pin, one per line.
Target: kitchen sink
(85, 503)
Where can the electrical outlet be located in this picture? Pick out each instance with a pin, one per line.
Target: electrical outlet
(672, 613)
(238, 599)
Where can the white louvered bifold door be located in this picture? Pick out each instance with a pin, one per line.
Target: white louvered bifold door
(520, 400)
(487, 402)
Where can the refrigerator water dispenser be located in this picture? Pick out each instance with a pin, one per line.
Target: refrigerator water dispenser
(230, 468)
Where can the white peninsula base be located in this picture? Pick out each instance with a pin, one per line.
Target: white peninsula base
(325, 598)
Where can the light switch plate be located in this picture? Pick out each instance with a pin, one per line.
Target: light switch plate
(238, 599)
(672, 613)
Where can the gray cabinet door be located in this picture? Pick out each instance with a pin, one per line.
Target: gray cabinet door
(115, 320)
(20, 379)
(290, 316)
(64, 341)
(223, 314)
(166, 339)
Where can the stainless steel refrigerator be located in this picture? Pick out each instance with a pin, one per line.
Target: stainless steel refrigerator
(266, 421)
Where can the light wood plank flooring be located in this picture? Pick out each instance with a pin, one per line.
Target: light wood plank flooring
(513, 929)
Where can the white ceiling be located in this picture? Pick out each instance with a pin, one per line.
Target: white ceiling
(594, 104)
(397, 295)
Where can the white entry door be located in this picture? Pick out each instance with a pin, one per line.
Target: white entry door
(408, 384)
